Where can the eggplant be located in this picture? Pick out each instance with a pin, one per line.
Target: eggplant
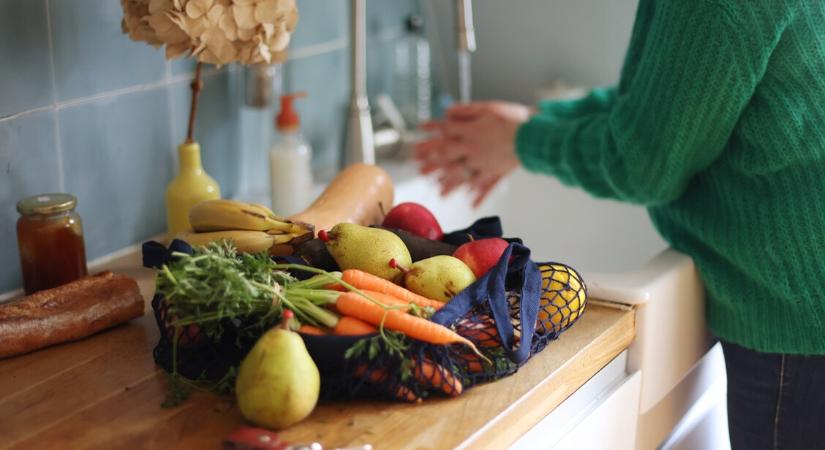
(419, 247)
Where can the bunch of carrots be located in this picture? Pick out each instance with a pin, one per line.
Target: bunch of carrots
(362, 304)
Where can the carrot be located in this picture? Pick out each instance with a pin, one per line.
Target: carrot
(426, 373)
(309, 329)
(475, 364)
(355, 305)
(366, 281)
(483, 331)
(380, 376)
(387, 300)
(438, 377)
(350, 326)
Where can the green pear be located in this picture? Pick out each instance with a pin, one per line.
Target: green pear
(368, 249)
(439, 277)
(278, 383)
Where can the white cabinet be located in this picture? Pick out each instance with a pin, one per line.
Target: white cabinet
(601, 414)
(612, 424)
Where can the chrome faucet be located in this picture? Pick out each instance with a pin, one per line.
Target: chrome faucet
(360, 142)
(359, 145)
(465, 44)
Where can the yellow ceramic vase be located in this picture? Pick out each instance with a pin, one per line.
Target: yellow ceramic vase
(191, 186)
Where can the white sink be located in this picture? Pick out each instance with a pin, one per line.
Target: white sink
(557, 222)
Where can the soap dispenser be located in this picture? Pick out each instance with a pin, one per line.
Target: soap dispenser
(290, 162)
(191, 186)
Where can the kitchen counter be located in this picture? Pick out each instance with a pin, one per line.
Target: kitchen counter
(105, 392)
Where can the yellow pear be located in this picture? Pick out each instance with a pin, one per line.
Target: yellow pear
(440, 277)
(368, 249)
(278, 383)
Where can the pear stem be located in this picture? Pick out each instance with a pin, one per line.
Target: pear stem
(394, 264)
(286, 317)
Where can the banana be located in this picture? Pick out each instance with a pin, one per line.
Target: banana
(244, 240)
(222, 215)
(563, 297)
(279, 239)
(296, 229)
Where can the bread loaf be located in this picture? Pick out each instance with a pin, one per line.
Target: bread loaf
(69, 312)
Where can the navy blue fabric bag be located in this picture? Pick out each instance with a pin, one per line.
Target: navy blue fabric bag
(509, 314)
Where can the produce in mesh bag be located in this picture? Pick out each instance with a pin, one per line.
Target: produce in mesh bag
(498, 322)
(493, 314)
(562, 298)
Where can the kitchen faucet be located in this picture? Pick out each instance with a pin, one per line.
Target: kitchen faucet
(359, 145)
(465, 44)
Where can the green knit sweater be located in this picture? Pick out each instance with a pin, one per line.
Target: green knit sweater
(717, 125)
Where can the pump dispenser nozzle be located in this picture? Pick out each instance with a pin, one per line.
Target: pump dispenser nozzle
(288, 118)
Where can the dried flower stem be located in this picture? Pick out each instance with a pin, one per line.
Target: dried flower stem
(196, 85)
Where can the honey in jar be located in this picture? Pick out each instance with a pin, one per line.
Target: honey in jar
(50, 239)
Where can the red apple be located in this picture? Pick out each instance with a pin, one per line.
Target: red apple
(415, 219)
(481, 255)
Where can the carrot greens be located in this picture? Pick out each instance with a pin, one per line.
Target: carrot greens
(216, 286)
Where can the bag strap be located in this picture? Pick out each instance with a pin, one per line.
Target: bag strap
(155, 254)
(491, 288)
(486, 227)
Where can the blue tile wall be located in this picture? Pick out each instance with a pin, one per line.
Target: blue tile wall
(29, 166)
(25, 74)
(118, 169)
(91, 55)
(87, 111)
(320, 22)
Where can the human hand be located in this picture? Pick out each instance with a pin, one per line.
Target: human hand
(474, 145)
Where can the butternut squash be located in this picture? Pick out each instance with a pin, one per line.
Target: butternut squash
(361, 194)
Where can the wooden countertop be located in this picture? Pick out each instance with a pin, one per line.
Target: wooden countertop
(105, 392)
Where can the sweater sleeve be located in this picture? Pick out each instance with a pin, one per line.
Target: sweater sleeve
(700, 66)
(596, 101)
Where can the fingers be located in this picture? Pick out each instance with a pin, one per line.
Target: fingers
(451, 129)
(433, 126)
(466, 111)
(483, 189)
(453, 176)
(442, 163)
(437, 154)
(458, 122)
(424, 150)
(430, 154)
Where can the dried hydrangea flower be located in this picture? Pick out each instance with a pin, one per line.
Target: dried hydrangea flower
(213, 31)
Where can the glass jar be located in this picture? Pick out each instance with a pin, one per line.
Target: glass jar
(50, 238)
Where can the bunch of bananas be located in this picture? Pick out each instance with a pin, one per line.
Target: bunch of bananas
(562, 298)
(252, 228)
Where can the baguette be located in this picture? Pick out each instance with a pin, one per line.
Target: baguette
(67, 313)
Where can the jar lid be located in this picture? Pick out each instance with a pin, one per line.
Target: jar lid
(45, 204)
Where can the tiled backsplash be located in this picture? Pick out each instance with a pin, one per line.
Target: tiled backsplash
(84, 110)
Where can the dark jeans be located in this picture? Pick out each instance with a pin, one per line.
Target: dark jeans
(775, 401)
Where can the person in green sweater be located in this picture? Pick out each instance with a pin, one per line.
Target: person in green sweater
(717, 126)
